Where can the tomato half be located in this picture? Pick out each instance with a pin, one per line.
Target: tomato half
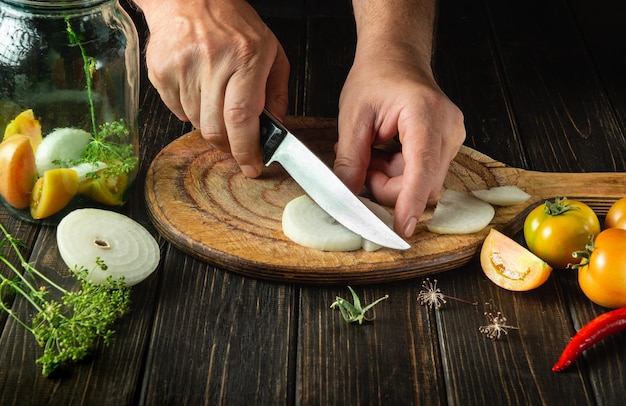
(109, 190)
(511, 266)
(603, 277)
(26, 124)
(616, 216)
(554, 230)
(18, 173)
(53, 192)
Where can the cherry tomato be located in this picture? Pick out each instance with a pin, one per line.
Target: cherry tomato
(616, 216)
(602, 277)
(18, 173)
(554, 230)
(511, 266)
(53, 192)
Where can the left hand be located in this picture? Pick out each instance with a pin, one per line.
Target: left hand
(389, 92)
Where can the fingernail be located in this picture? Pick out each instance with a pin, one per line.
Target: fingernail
(249, 171)
(409, 226)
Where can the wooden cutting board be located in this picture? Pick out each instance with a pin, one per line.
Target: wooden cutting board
(199, 201)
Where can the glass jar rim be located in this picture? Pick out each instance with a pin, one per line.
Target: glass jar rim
(56, 4)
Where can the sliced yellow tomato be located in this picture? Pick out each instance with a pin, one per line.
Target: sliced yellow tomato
(53, 192)
(511, 266)
(26, 124)
(109, 190)
(18, 173)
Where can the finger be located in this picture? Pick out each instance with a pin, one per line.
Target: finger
(167, 87)
(353, 149)
(277, 89)
(244, 100)
(421, 175)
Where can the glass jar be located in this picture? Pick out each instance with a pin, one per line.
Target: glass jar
(69, 88)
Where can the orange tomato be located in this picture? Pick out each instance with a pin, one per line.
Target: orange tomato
(18, 173)
(602, 277)
(26, 124)
(616, 216)
(53, 192)
(511, 266)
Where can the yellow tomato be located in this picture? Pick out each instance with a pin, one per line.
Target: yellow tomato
(109, 190)
(18, 173)
(554, 230)
(26, 124)
(511, 266)
(53, 192)
(602, 277)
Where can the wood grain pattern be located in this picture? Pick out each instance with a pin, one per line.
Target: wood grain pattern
(200, 202)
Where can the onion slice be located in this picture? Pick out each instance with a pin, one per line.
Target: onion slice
(126, 248)
(502, 195)
(307, 224)
(460, 213)
(60, 144)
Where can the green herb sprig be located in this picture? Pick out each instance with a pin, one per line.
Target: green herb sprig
(102, 146)
(70, 329)
(353, 312)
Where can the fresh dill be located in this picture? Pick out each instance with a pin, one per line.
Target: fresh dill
(70, 329)
(102, 147)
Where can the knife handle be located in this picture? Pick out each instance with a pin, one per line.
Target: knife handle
(272, 134)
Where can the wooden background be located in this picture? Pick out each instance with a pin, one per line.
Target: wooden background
(542, 87)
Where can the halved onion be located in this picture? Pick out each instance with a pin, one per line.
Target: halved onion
(60, 144)
(124, 245)
(460, 213)
(502, 195)
(307, 224)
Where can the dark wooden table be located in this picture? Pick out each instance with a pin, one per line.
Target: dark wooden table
(542, 85)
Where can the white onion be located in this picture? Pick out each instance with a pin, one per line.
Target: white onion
(502, 195)
(307, 224)
(61, 144)
(460, 213)
(124, 245)
(86, 168)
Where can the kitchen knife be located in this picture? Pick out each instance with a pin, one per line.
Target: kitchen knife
(322, 185)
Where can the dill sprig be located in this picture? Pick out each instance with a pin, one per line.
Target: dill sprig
(102, 147)
(70, 329)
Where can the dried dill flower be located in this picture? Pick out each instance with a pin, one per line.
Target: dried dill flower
(431, 295)
(497, 324)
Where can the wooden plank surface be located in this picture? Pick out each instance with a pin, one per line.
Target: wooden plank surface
(541, 85)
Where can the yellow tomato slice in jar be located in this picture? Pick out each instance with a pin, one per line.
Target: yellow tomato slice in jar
(26, 124)
(18, 173)
(109, 190)
(511, 266)
(53, 192)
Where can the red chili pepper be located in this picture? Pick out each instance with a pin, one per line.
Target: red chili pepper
(597, 329)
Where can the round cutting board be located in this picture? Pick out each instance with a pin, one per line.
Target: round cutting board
(201, 203)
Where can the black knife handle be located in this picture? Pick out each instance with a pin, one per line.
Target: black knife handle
(272, 134)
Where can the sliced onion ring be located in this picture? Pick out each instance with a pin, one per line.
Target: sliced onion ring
(124, 245)
(460, 213)
(502, 195)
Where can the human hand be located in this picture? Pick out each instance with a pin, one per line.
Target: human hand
(216, 64)
(388, 92)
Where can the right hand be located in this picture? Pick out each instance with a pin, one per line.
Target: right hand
(216, 64)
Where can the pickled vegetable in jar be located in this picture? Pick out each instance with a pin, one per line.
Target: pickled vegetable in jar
(69, 87)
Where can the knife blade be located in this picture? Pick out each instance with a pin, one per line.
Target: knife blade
(322, 185)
